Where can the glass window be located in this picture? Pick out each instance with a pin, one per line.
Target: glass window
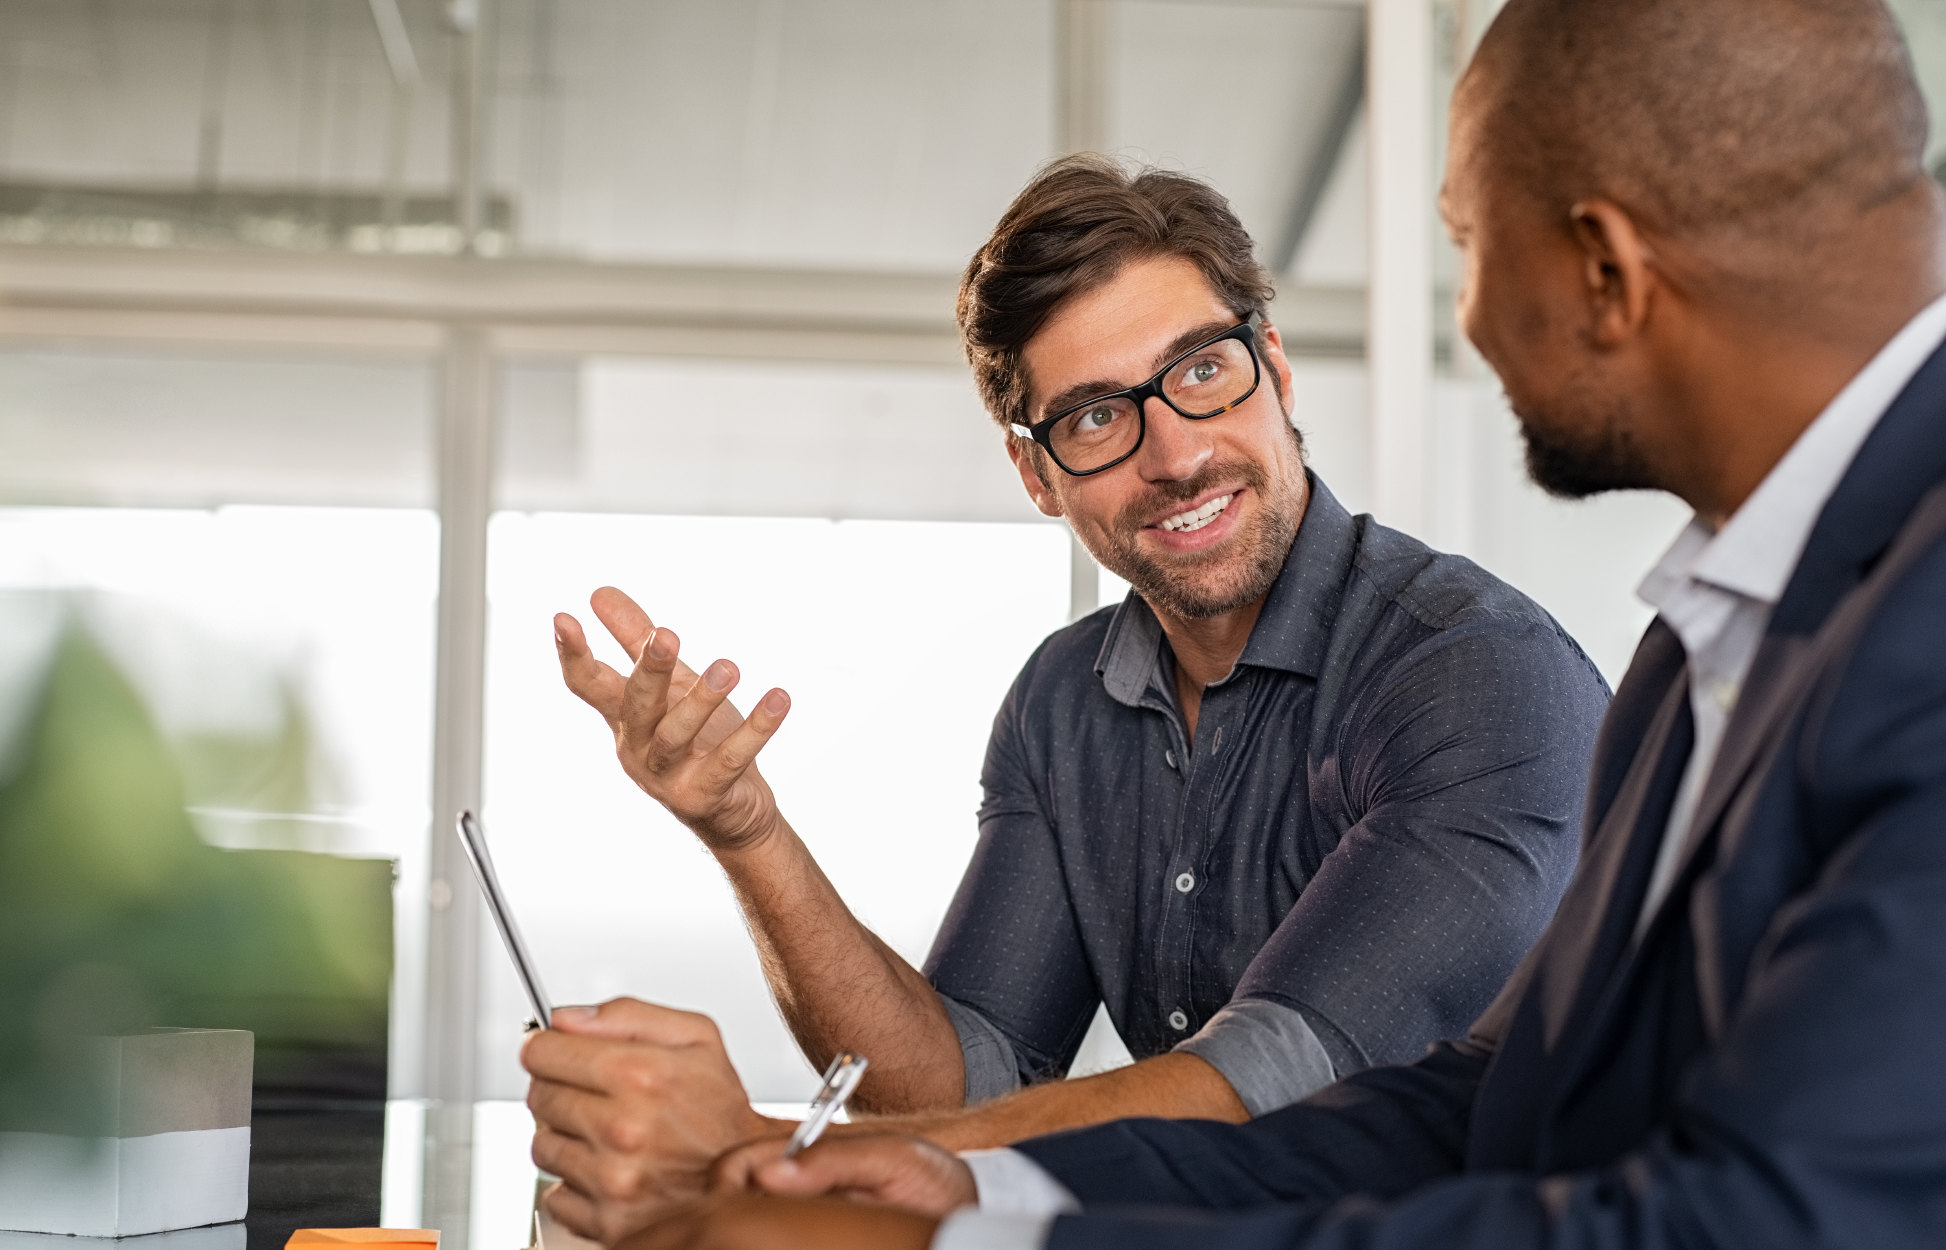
(280, 640)
(705, 488)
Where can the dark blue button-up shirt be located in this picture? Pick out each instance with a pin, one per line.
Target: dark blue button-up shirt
(1375, 820)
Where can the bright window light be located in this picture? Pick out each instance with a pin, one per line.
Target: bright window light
(896, 641)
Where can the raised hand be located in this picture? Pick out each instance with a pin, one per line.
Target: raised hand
(890, 1169)
(632, 1102)
(676, 733)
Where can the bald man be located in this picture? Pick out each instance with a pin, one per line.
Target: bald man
(1703, 256)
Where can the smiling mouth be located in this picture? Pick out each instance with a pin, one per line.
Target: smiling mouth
(1196, 518)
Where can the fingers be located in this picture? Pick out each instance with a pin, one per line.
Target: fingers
(735, 1170)
(624, 618)
(635, 1020)
(860, 1164)
(673, 737)
(567, 1109)
(603, 1065)
(646, 696)
(560, 1155)
(573, 1211)
(676, 733)
(593, 682)
(738, 751)
(884, 1168)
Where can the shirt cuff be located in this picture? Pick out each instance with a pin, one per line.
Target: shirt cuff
(1266, 1051)
(968, 1229)
(986, 1052)
(1011, 1184)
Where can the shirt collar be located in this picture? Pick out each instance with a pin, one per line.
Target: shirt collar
(1291, 633)
(1755, 552)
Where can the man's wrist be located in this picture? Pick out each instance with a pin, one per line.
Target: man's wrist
(1006, 1182)
(756, 850)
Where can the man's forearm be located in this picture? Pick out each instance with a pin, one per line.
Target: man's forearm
(839, 986)
(1173, 1086)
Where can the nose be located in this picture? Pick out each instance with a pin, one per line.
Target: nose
(1173, 446)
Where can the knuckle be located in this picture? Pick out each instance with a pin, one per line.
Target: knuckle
(641, 1078)
(618, 1180)
(626, 1134)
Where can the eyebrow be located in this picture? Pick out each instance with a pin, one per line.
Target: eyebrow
(1081, 392)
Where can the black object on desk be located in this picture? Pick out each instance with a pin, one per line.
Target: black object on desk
(315, 1165)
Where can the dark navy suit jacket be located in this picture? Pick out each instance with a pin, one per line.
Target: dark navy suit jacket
(1766, 1068)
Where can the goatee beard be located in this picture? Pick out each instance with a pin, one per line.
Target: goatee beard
(1599, 458)
(1175, 587)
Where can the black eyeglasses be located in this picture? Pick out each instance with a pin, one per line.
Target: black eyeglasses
(1206, 381)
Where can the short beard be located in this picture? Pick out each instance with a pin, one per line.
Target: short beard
(1246, 575)
(1589, 458)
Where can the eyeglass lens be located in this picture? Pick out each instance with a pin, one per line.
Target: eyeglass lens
(1201, 384)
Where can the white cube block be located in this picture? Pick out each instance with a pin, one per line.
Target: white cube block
(173, 1153)
(217, 1237)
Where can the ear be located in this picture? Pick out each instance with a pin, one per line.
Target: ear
(1025, 454)
(1618, 270)
(1274, 357)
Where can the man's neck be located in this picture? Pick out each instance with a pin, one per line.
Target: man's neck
(1745, 384)
(1206, 650)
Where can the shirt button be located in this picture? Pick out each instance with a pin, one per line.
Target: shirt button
(1186, 882)
(1178, 1021)
(1170, 756)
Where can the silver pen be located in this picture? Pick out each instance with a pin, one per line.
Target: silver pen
(840, 1079)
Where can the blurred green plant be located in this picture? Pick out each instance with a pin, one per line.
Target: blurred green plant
(115, 915)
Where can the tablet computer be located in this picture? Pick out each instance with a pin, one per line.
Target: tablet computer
(473, 838)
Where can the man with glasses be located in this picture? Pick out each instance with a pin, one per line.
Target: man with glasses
(1296, 807)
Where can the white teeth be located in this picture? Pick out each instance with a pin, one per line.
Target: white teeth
(1197, 518)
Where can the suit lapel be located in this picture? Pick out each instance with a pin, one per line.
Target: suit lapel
(1612, 883)
(1771, 694)
(1902, 457)
(1899, 462)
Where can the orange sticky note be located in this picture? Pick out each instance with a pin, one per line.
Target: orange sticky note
(368, 1238)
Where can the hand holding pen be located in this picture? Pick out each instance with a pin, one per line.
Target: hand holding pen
(840, 1079)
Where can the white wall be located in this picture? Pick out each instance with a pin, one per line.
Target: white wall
(1579, 560)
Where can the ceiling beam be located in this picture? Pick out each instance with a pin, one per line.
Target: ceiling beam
(251, 298)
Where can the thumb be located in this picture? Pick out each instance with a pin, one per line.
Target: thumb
(736, 1171)
(632, 1020)
(858, 1163)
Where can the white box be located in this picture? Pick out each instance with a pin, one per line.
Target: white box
(171, 1148)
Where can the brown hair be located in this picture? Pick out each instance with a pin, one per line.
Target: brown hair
(1072, 229)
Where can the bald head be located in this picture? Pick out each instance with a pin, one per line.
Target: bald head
(1744, 126)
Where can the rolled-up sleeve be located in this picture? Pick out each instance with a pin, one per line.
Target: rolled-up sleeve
(1266, 1051)
(1468, 761)
(991, 1067)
